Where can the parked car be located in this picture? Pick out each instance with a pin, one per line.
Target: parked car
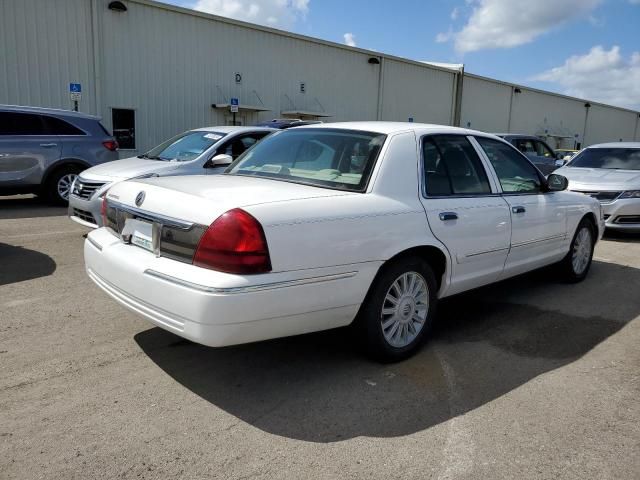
(282, 123)
(317, 226)
(194, 152)
(609, 172)
(541, 154)
(42, 150)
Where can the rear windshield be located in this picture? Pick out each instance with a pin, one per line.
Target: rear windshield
(184, 147)
(611, 158)
(333, 158)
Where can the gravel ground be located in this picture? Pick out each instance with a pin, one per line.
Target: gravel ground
(529, 378)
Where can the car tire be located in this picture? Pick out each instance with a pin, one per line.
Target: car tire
(576, 264)
(59, 182)
(395, 316)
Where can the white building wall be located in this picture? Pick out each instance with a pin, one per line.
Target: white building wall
(44, 46)
(609, 124)
(558, 119)
(415, 91)
(171, 67)
(485, 105)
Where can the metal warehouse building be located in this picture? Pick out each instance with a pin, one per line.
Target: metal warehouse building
(152, 70)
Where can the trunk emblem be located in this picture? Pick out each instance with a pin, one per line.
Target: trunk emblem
(140, 198)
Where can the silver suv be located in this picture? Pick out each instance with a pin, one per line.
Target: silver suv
(42, 150)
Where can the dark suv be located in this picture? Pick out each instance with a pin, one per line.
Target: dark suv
(540, 154)
(42, 150)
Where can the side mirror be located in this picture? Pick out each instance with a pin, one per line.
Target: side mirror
(221, 160)
(557, 183)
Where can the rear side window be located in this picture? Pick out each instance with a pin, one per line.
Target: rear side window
(452, 167)
(14, 123)
(56, 126)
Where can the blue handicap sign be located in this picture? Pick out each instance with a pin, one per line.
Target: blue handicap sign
(235, 101)
(75, 88)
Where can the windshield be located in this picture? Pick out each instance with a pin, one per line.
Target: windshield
(612, 158)
(184, 147)
(333, 158)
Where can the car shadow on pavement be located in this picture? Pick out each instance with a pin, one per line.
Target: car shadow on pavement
(317, 388)
(18, 264)
(27, 206)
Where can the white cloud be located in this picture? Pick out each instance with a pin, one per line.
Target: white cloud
(350, 39)
(509, 23)
(274, 13)
(601, 75)
(443, 37)
(455, 13)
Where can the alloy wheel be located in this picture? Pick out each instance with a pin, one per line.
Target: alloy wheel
(404, 309)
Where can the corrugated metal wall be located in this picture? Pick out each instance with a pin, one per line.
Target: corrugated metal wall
(170, 65)
(485, 105)
(44, 46)
(608, 124)
(560, 120)
(413, 91)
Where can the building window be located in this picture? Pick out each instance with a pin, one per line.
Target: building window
(124, 127)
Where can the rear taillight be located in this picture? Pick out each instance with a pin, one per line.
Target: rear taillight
(234, 243)
(103, 210)
(110, 145)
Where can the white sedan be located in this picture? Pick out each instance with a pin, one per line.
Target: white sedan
(318, 227)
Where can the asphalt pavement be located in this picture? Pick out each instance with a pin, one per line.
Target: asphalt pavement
(530, 378)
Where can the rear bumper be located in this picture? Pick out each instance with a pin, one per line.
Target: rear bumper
(622, 214)
(218, 309)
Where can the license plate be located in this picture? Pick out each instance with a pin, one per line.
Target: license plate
(139, 233)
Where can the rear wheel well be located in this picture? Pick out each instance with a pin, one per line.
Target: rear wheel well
(433, 255)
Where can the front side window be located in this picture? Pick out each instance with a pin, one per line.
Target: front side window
(124, 127)
(452, 167)
(14, 123)
(184, 147)
(543, 151)
(238, 145)
(516, 174)
(333, 158)
(526, 146)
(611, 158)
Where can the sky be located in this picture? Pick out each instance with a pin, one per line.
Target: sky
(584, 48)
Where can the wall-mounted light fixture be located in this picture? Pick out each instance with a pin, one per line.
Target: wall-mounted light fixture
(374, 60)
(587, 105)
(517, 90)
(117, 6)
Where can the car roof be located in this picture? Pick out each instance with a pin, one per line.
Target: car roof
(233, 129)
(47, 111)
(396, 127)
(616, 145)
(518, 135)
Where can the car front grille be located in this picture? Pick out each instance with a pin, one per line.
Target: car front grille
(603, 197)
(84, 215)
(84, 189)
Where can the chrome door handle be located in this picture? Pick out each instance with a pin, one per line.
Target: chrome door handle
(48, 145)
(444, 216)
(518, 209)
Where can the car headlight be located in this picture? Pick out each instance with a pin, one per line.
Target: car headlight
(630, 194)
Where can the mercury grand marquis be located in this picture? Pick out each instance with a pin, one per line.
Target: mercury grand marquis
(317, 227)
